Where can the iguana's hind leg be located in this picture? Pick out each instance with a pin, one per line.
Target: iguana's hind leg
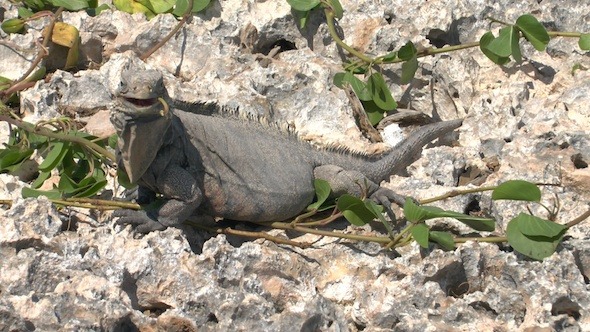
(355, 183)
(185, 197)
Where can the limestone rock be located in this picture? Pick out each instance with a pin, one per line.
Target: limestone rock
(71, 270)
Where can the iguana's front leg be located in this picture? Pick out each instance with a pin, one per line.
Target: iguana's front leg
(356, 184)
(184, 195)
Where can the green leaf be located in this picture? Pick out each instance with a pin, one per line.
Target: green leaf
(157, 6)
(533, 31)
(354, 210)
(359, 87)
(502, 46)
(417, 213)
(9, 157)
(536, 247)
(51, 194)
(67, 185)
(444, 239)
(338, 79)
(336, 8)
(535, 226)
(413, 212)
(35, 5)
(40, 179)
(91, 185)
(13, 25)
(4, 83)
(37, 74)
(420, 234)
(477, 223)
(301, 17)
(322, 192)
(112, 141)
(389, 56)
(92, 189)
(380, 92)
(132, 7)
(409, 70)
(303, 5)
(24, 12)
(375, 209)
(375, 114)
(407, 52)
(518, 190)
(484, 41)
(96, 11)
(584, 42)
(71, 5)
(55, 156)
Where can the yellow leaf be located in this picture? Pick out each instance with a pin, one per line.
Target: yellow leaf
(65, 34)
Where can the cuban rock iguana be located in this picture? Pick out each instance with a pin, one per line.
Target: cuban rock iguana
(235, 168)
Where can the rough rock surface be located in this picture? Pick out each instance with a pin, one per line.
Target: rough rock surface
(75, 270)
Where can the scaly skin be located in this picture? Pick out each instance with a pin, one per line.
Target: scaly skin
(235, 169)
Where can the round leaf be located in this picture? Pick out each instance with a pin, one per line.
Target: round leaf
(413, 212)
(55, 156)
(533, 31)
(506, 44)
(409, 70)
(535, 226)
(354, 210)
(303, 5)
(533, 247)
(444, 239)
(484, 41)
(518, 190)
(380, 92)
(420, 234)
(584, 42)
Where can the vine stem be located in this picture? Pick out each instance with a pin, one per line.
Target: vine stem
(334, 34)
(63, 137)
(20, 83)
(185, 17)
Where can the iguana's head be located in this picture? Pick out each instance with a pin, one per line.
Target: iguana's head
(141, 117)
(141, 94)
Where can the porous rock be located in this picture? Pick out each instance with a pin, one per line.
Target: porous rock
(527, 121)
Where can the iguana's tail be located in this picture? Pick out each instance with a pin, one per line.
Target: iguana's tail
(409, 150)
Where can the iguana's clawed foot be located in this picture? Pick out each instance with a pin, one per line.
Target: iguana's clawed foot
(385, 197)
(139, 219)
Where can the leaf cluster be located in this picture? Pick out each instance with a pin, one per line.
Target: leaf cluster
(530, 235)
(78, 166)
(151, 8)
(373, 91)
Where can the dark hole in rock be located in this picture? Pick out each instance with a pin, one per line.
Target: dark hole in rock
(452, 279)
(155, 309)
(579, 161)
(473, 206)
(212, 318)
(283, 44)
(438, 38)
(483, 306)
(312, 324)
(565, 305)
(29, 325)
(124, 324)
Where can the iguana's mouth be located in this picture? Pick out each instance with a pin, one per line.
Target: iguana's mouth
(141, 102)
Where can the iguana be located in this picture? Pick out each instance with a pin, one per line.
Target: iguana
(226, 166)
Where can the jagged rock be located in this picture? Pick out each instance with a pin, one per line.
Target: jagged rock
(73, 271)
